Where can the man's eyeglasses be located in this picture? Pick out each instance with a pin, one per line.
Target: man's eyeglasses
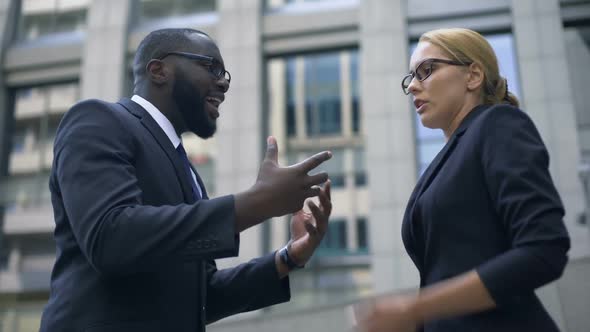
(424, 70)
(215, 67)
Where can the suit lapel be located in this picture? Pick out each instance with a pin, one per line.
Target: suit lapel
(435, 166)
(431, 173)
(421, 186)
(152, 126)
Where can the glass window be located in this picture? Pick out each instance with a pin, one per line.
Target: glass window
(306, 107)
(431, 141)
(322, 94)
(38, 111)
(361, 233)
(51, 17)
(290, 87)
(276, 4)
(311, 101)
(29, 102)
(360, 168)
(354, 83)
(335, 239)
(52, 125)
(334, 167)
(18, 140)
(149, 10)
(577, 46)
(25, 136)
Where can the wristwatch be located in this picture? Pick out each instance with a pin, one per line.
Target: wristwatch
(286, 259)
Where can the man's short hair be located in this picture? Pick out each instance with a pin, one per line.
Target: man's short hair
(159, 42)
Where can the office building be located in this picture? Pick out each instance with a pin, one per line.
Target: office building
(321, 74)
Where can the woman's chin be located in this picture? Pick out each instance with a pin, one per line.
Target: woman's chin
(427, 121)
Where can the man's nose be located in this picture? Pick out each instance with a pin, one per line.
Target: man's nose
(223, 83)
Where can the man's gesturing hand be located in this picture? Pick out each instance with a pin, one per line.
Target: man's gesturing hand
(285, 189)
(278, 190)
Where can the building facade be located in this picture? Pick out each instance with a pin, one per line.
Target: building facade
(321, 74)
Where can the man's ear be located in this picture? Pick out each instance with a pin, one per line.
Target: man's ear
(157, 71)
(475, 77)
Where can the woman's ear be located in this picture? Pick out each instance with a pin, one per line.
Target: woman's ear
(475, 78)
(157, 71)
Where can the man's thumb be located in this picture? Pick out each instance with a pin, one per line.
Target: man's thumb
(272, 149)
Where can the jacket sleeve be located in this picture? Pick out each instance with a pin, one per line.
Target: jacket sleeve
(515, 163)
(96, 178)
(246, 287)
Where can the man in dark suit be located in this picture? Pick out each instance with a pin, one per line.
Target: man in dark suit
(136, 233)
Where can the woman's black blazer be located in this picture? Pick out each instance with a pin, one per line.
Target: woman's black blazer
(487, 202)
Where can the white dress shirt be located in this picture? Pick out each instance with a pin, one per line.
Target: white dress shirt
(166, 126)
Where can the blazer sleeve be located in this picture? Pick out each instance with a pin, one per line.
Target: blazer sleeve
(246, 287)
(515, 163)
(117, 233)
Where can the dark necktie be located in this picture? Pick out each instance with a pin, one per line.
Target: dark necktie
(187, 167)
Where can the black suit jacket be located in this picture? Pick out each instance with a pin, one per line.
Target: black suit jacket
(487, 202)
(134, 250)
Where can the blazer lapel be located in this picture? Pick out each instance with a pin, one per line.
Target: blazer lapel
(432, 171)
(435, 166)
(423, 183)
(152, 126)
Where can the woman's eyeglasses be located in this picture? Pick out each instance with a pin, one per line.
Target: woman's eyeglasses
(424, 70)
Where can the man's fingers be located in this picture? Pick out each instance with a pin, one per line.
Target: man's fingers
(328, 189)
(316, 179)
(321, 218)
(314, 161)
(312, 192)
(272, 150)
(300, 212)
(311, 229)
(325, 201)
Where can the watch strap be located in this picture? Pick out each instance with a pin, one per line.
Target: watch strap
(286, 259)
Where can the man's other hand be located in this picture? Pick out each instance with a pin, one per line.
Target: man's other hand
(308, 229)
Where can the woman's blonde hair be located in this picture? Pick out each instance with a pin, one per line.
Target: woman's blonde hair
(468, 46)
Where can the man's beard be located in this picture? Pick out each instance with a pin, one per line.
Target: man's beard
(191, 106)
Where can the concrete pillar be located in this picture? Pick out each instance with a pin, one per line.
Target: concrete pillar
(276, 79)
(388, 121)
(241, 137)
(103, 59)
(8, 18)
(548, 99)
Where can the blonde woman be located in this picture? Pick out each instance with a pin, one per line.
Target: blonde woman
(484, 225)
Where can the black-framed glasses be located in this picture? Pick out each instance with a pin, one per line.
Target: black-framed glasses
(213, 65)
(424, 70)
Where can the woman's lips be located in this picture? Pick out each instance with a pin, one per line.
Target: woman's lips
(420, 105)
